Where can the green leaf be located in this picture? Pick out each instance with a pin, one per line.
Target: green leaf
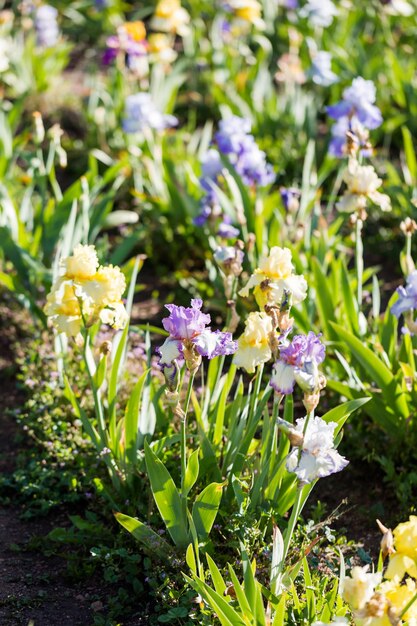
(205, 509)
(132, 419)
(151, 540)
(191, 472)
(167, 498)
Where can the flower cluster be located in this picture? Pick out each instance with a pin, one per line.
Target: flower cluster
(236, 143)
(313, 455)
(276, 288)
(141, 114)
(377, 600)
(190, 338)
(362, 185)
(46, 26)
(85, 292)
(356, 113)
(132, 42)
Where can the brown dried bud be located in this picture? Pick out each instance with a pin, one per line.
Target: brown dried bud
(311, 400)
(105, 347)
(296, 439)
(230, 591)
(377, 605)
(191, 357)
(408, 226)
(387, 541)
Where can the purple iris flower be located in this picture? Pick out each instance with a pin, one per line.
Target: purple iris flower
(407, 296)
(298, 362)
(187, 327)
(141, 113)
(358, 100)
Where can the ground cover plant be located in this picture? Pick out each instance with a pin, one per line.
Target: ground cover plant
(208, 295)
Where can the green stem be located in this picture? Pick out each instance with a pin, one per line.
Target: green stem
(296, 510)
(407, 606)
(183, 433)
(255, 393)
(97, 400)
(359, 261)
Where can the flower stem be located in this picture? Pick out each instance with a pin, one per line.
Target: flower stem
(359, 261)
(97, 400)
(296, 510)
(183, 433)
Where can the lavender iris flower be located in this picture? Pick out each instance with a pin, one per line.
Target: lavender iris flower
(187, 328)
(321, 71)
(407, 296)
(141, 113)
(46, 26)
(298, 362)
(358, 100)
(355, 113)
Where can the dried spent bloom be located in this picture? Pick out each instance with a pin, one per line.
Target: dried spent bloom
(319, 12)
(318, 457)
(362, 185)
(85, 292)
(274, 278)
(298, 362)
(359, 587)
(387, 541)
(171, 17)
(46, 26)
(189, 336)
(141, 113)
(254, 345)
(290, 69)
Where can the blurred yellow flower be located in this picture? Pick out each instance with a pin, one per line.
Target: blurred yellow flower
(171, 17)
(135, 30)
(254, 345)
(273, 278)
(84, 293)
(161, 49)
(405, 543)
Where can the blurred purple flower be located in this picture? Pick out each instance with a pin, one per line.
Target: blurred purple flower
(407, 296)
(141, 113)
(321, 70)
(46, 26)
